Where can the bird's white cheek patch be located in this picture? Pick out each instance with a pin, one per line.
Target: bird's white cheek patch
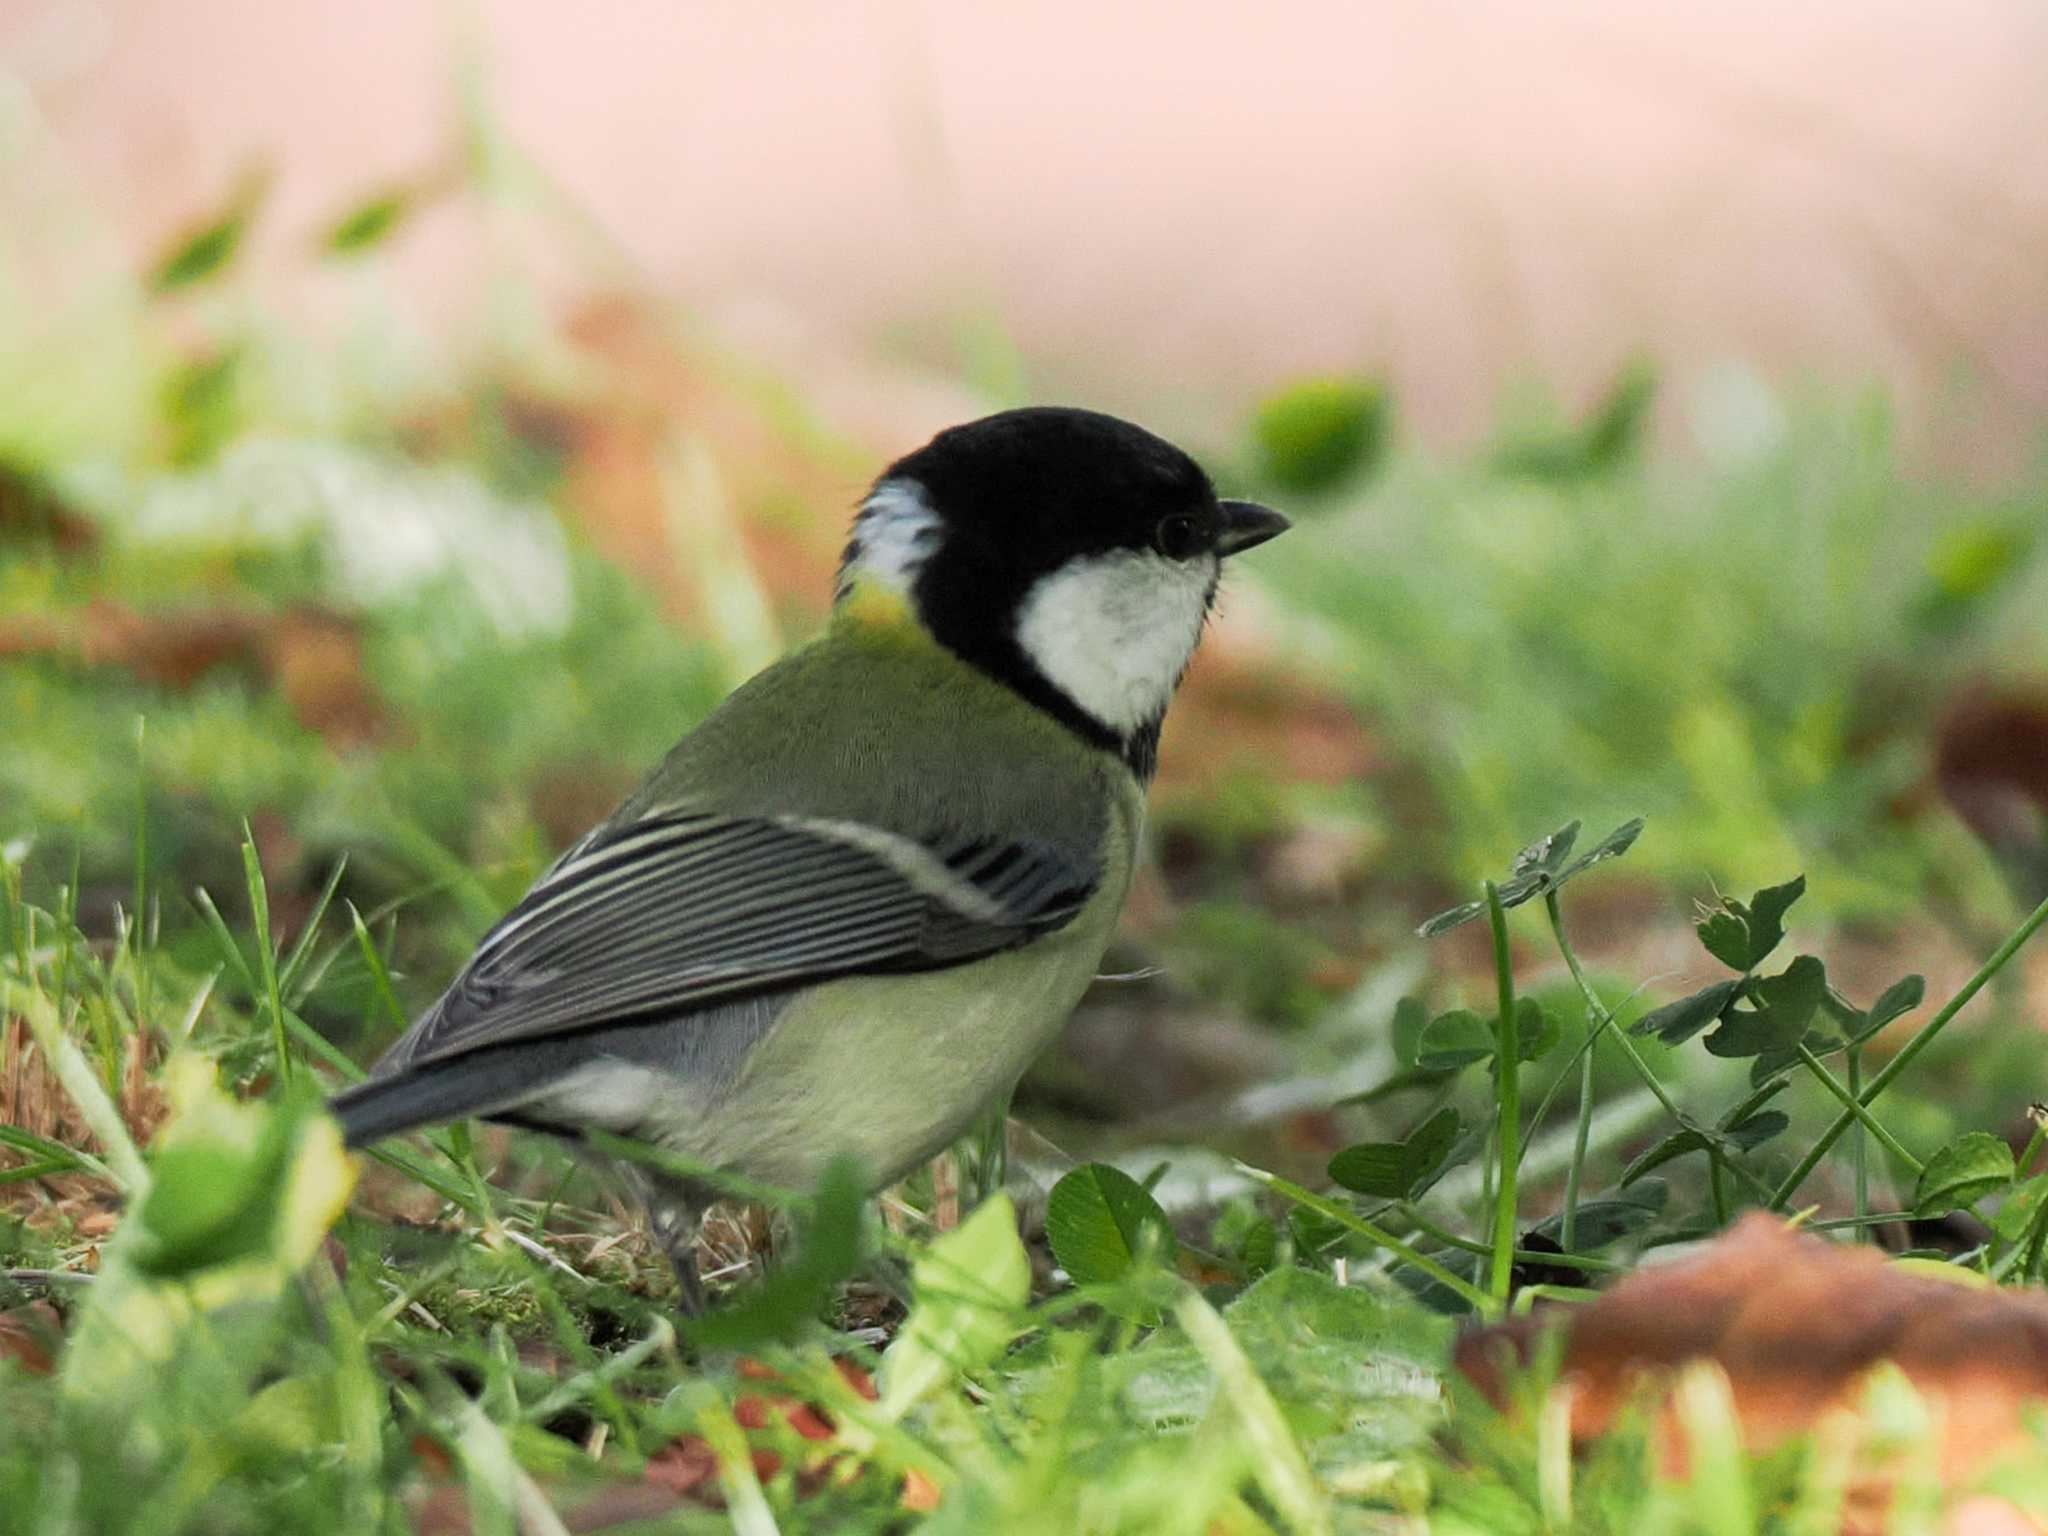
(1114, 632)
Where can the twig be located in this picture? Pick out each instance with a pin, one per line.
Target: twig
(526, 1244)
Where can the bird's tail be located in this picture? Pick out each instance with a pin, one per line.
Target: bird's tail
(407, 1100)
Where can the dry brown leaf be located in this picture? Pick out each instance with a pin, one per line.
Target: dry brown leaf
(443, 1509)
(312, 658)
(1797, 1324)
(1992, 740)
(1235, 713)
(30, 509)
(633, 1505)
(315, 662)
(920, 1494)
(857, 1378)
(683, 1466)
(792, 496)
(31, 1337)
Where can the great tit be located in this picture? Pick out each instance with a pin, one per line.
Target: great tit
(847, 910)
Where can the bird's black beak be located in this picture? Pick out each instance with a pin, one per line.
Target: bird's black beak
(1245, 525)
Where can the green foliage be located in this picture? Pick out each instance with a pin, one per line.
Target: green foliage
(1970, 567)
(1461, 1037)
(208, 250)
(1735, 644)
(240, 1195)
(1678, 1021)
(1540, 868)
(371, 222)
(969, 1285)
(1608, 437)
(1101, 1224)
(1741, 937)
(1962, 1173)
(202, 404)
(1779, 1022)
(1252, 959)
(1405, 1169)
(1785, 1004)
(244, 1400)
(1318, 435)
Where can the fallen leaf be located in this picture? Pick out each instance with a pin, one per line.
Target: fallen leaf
(920, 1494)
(30, 508)
(807, 1421)
(310, 657)
(315, 662)
(683, 1466)
(857, 1379)
(444, 1508)
(30, 1336)
(1798, 1324)
(1991, 767)
(432, 1456)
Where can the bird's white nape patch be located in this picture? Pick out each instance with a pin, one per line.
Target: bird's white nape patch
(1114, 632)
(894, 533)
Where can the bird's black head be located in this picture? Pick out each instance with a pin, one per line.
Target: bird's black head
(1066, 553)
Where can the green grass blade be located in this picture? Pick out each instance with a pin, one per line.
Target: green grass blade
(380, 977)
(266, 954)
(1480, 1301)
(1276, 1456)
(303, 948)
(224, 940)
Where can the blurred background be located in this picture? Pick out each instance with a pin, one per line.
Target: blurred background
(413, 417)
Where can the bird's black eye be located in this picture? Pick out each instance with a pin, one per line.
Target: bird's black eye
(1178, 536)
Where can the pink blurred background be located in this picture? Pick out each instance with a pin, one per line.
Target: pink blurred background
(1170, 206)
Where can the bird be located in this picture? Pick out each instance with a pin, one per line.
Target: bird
(849, 908)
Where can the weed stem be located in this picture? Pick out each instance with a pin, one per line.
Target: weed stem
(1480, 1301)
(1508, 1065)
(1912, 1048)
(1597, 1019)
(1865, 1120)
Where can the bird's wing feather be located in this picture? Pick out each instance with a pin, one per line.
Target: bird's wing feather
(662, 916)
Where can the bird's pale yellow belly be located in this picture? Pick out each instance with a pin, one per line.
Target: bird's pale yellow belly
(892, 1068)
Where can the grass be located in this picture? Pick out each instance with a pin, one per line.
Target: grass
(241, 1354)
(1750, 643)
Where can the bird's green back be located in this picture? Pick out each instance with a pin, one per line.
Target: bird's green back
(874, 722)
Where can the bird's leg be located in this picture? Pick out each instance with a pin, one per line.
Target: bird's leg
(675, 1215)
(883, 1262)
(676, 1224)
(889, 1274)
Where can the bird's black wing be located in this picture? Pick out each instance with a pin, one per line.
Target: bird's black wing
(660, 917)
